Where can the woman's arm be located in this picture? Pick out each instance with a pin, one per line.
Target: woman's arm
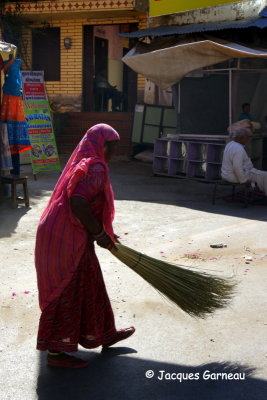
(81, 210)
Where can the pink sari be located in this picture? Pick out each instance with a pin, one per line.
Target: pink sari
(64, 249)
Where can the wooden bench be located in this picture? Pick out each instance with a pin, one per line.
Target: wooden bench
(222, 182)
(15, 180)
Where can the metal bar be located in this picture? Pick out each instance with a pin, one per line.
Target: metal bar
(235, 69)
(179, 98)
(230, 98)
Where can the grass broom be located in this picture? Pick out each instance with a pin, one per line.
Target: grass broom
(196, 293)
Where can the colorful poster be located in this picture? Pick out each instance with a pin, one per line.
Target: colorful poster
(44, 155)
(162, 7)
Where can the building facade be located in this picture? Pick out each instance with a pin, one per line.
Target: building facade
(165, 12)
(74, 41)
(208, 93)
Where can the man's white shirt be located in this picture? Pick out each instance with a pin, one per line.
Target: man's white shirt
(236, 164)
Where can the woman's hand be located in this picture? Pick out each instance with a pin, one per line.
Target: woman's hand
(104, 240)
(81, 210)
(116, 237)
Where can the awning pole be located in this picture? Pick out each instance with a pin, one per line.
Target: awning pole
(230, 97)
(179, 108)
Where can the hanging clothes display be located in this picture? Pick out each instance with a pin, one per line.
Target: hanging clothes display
(12, 112)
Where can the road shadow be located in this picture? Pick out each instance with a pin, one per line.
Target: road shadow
(134, 181)
(115, 375)
(9, 216)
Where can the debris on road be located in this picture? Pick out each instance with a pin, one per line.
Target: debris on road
(192, 256)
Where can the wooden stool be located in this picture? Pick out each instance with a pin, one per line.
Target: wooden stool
(15, 180)
(233, 184)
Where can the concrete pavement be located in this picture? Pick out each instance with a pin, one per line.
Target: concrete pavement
(165, 218)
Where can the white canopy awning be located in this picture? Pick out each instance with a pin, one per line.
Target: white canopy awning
(166, 64)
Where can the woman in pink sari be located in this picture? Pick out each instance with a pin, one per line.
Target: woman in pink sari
(72, 295)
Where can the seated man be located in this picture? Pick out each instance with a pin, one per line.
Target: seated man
(237, 166)
(245, 112)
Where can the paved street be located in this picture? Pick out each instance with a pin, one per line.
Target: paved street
(165, 218)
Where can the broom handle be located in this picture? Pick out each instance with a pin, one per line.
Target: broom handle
(113, 249)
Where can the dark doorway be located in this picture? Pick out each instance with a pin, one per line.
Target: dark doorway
(101, 74)
(101, 56)
(98, 93)
(88, 68)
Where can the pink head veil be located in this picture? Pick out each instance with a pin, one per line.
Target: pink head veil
(89, 151)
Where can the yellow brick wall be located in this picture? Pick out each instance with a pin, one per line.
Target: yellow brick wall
(71, 60)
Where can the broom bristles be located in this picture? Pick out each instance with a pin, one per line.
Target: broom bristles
(196, 293)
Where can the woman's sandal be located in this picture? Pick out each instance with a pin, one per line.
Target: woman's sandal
(120, 335)
(64, 360)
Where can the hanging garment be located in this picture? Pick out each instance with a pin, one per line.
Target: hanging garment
(12, 108)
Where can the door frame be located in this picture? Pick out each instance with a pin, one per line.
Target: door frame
(88, 98)
(88, 69)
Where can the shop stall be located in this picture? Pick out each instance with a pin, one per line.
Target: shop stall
(209, 78)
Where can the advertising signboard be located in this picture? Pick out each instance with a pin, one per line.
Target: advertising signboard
(44, 155)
